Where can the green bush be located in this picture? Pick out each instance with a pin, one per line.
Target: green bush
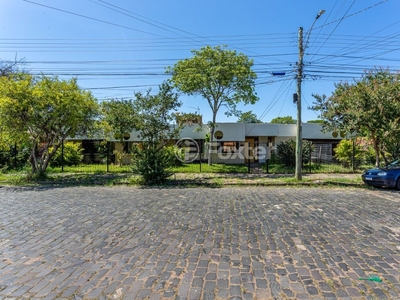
(14, 158)
(153, 163)
(369, 156)
(286, 153)
(72, 155)
(348, 152)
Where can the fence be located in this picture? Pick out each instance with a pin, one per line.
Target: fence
(244, 157)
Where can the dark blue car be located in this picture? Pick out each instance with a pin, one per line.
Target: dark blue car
(388, 176)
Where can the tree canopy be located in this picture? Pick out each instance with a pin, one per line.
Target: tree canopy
(221, 76)
(42, 112)
(283, 120)
(316, 121)
(369, 107)
(119, 117)
(8, 68)
(248, 117)
(155, 114)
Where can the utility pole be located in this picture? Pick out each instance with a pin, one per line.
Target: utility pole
(299, 160)
(299, 141)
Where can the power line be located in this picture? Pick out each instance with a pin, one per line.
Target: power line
(335, 27)
(90, 18)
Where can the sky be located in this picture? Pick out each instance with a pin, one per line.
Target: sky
(116, 48)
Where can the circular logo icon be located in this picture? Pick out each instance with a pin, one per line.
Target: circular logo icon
(187, 150)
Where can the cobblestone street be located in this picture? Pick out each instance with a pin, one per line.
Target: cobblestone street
(199, 243)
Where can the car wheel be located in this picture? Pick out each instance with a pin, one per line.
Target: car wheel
(398, 184)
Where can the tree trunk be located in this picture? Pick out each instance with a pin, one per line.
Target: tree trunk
(32, 159)
(40, 166)
(384, 158)
(212, 129)
(210, 151)
(376, 149)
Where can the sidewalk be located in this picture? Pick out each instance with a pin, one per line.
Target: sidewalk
(267, 179)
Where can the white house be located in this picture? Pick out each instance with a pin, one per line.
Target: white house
(234, 143)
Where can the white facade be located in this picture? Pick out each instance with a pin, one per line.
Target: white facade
(238, 143)
(263, 131)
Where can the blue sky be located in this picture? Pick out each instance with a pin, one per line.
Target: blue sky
(116, 48)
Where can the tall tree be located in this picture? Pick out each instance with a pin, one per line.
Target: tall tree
(283, 120)
(221, 76)
(155, 114)
(119, 117)
(369, 107)
(42, 112)
(248, 117)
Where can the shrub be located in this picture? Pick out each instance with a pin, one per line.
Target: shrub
(14, 158)
(72, 155)
(286, 153)
(153, 163)
(119, 156)
(369, 155)
(345, 151)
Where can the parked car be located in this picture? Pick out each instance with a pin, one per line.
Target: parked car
(388, 176)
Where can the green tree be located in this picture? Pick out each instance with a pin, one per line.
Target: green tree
(119, 119)
(10, 156)
(315, 121)
(369, 107)
(8, 68)
(283, 120)
(42, 112)
(221, 76)
(248, 117)
(152, 159)
(188, 118)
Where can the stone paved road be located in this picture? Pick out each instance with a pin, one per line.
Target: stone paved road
(227, 243)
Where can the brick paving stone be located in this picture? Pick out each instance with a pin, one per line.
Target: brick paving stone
(379, 293)
(342, 293)
(353, 292)
(235, 290)
(312, 290)
(235, 279)
(195, 294)
(223, 293)
(172, 243)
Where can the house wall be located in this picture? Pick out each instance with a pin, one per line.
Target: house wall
(266, 133)
(194, 132)
(268, 129)
(239, 132)
(231, 131)
(314, 131)
(119, 147)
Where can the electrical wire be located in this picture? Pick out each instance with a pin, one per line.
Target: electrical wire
(354, 1)
(90, 18)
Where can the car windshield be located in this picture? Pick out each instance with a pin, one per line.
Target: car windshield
(394, 165)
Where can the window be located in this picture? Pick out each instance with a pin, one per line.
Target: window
(127, 147)
(90, 146)
(229, 147)
(218, 135)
